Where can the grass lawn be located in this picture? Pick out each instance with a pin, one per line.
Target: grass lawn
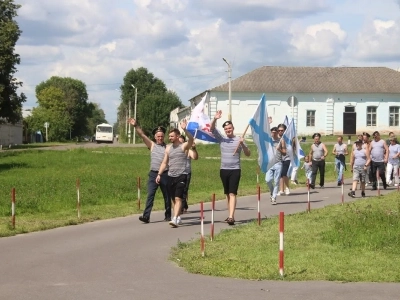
(359, 241)
(46, 194)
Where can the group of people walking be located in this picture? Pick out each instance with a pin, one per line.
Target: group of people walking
(170, 165)
(371, 160)
(170, 168)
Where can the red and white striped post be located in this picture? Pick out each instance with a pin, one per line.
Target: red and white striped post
(377, 180)
(258, 176)
(202, 228)
(138, 192)
(342, 183)
(258, 206)
(281, 230)
(13, 207)
(308, 195)
(78, 200)
(212, 216)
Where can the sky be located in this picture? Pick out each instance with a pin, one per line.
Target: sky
(182, 42)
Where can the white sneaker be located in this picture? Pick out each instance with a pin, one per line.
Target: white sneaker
(287, 191)
(179, 221)
(279, 193)
(273, 201)
(389, 183)
(173, 223)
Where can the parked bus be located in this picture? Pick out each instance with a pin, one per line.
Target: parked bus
(104, 133)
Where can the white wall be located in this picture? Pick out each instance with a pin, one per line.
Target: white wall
(245, 104)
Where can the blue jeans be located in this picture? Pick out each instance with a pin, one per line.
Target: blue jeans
(272, 178)
(152, 187)
(339, 169)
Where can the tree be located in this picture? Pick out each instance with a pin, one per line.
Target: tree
(75, 98)
(52, 110)
(154, 101)
(97, 116)
(10, 101)
(157, 108)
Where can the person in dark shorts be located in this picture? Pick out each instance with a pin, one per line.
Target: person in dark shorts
(231, 147)
(175, 159)
(191, 154)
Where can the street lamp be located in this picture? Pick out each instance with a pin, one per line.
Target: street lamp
(134, 114)
(230, 90)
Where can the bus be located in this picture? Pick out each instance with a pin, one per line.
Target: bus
(104, 133)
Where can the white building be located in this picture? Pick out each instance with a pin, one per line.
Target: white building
(329, 100)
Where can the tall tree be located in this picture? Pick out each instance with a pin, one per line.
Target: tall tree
(52, 110)
(97, 116)
(75, 98)
(156, 108)
(10, 101)
(154, 101)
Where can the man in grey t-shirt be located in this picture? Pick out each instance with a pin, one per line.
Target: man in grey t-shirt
(231, 147)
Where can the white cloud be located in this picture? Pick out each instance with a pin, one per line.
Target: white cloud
(322, 42)
(182, 42)
(378, 41)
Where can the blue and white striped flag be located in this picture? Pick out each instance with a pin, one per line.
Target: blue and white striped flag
(292, 144)
(286, 121)
(262, 136)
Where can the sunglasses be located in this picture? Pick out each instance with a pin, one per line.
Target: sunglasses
(280, 130)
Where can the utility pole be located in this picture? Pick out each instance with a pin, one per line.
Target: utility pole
(230, 89)
(134, 114)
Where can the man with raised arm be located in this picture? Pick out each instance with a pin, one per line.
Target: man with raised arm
(231, 147)
(157, 150)
(175, 159)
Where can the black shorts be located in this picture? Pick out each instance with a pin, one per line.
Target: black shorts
(285, 168)
(176, 186)
(230, 180)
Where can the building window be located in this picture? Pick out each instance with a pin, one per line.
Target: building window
(393, 116)
(310, 118)
(371, 116)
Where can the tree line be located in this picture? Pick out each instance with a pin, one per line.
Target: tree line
(63, 101)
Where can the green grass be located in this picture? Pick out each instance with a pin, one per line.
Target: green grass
(359, 241)
(45, 183)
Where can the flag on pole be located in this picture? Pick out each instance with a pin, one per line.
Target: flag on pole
(286, 121)
(261, 132)
(292, 144)
(199, 123)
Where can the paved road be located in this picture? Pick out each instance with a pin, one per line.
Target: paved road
(125, 259)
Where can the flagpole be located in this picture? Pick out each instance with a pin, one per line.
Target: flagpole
(244, 133)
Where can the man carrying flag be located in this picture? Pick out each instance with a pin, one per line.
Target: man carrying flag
(270, 148)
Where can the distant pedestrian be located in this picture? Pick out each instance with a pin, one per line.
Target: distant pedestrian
(284, 181)
(318, 153)
(307, 166)
(340, 152)
(359, 164)
(191, 154)
(175, 159)
(392, 166)
(231, 147)
(157, 150)
(379, 153)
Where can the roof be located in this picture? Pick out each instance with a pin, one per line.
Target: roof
(272, 79)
